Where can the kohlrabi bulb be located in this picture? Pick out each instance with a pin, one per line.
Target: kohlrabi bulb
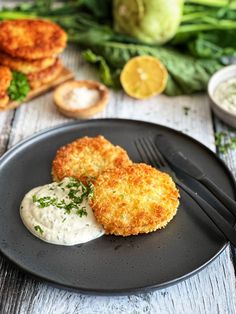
(151, 21)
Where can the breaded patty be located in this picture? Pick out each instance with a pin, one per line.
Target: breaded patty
(25, 66)
(86, 158)
(31, 39)
(45, 76)
(134, 199)
(4, 99)
(5, 78)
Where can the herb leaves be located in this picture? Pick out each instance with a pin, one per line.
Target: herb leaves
(38, 229)
(19, 86)
(76, 193)
(224, 143)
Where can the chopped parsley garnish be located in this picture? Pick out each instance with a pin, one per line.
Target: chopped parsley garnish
(186, 110)
(38, 229)
(82, 212)
(34, 197)
(77, 193)
(224, 143)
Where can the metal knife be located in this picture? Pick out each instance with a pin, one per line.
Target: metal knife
(180, 161)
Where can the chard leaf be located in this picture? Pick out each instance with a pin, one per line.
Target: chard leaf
(187, 74)
(104, 70)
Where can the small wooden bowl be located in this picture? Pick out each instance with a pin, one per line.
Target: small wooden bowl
(81, 113)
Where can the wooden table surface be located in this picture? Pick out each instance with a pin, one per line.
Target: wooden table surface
(210, 291)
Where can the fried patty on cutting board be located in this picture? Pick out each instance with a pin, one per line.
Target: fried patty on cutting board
(31, 39)
(26, 66)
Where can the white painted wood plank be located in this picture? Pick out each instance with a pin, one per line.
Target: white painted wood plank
(5, 128)
(210, 291)
(199, 294)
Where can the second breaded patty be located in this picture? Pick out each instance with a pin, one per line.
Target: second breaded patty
(134, 199)
(31, 39)
(25, 66)
(45, 76)
(86, 158)
(5, 78)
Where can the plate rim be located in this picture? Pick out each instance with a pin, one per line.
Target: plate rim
(121, 291)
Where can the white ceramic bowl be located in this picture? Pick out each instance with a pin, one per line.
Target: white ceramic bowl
(219, 77)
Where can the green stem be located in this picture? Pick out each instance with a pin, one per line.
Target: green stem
(12, 15)
(214, 3)
(194, 16)
(205, 27)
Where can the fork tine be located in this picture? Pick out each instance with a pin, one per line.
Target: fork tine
(150, 152)
(141, 151)
(158, 154)
(147, 152)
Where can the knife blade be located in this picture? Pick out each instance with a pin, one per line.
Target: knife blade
(177, 159)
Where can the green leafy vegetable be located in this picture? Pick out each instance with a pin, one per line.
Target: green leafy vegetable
(186, 74)
(104, 70)
(19, 86)
(214, 45)
(204, 40)
(208, 28)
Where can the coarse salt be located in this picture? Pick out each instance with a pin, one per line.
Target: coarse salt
(81, 97)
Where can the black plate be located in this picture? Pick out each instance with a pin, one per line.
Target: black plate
(110, 264)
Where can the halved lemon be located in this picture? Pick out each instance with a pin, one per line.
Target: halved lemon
(143, 77)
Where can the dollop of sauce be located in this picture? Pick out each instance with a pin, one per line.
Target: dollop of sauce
(225, 95)
(59, 213)
(81, 97)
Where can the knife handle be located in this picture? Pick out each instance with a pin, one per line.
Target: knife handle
(221, 195)
(220, 222)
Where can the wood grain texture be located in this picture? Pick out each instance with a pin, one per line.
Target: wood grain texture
(6, 119)
(210, 291)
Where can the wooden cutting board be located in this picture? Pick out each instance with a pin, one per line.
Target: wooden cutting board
(64, 76)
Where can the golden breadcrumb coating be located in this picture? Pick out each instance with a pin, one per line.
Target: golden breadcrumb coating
(4, 99)
(85, 158)
(134, 199)
(45, 76)
(31, 39)
(25, 66)
(5, 78)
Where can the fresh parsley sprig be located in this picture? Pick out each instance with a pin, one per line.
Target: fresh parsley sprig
(19, 86)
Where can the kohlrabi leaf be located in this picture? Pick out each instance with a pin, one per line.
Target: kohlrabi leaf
(106, 75)
(186, 74)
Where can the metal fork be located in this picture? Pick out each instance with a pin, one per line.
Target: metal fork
(150, 154)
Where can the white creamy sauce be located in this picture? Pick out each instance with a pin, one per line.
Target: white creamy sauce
(53, 213)
(80, 98)
(225, 95)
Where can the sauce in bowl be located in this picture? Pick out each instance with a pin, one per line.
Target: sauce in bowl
(225, 95)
